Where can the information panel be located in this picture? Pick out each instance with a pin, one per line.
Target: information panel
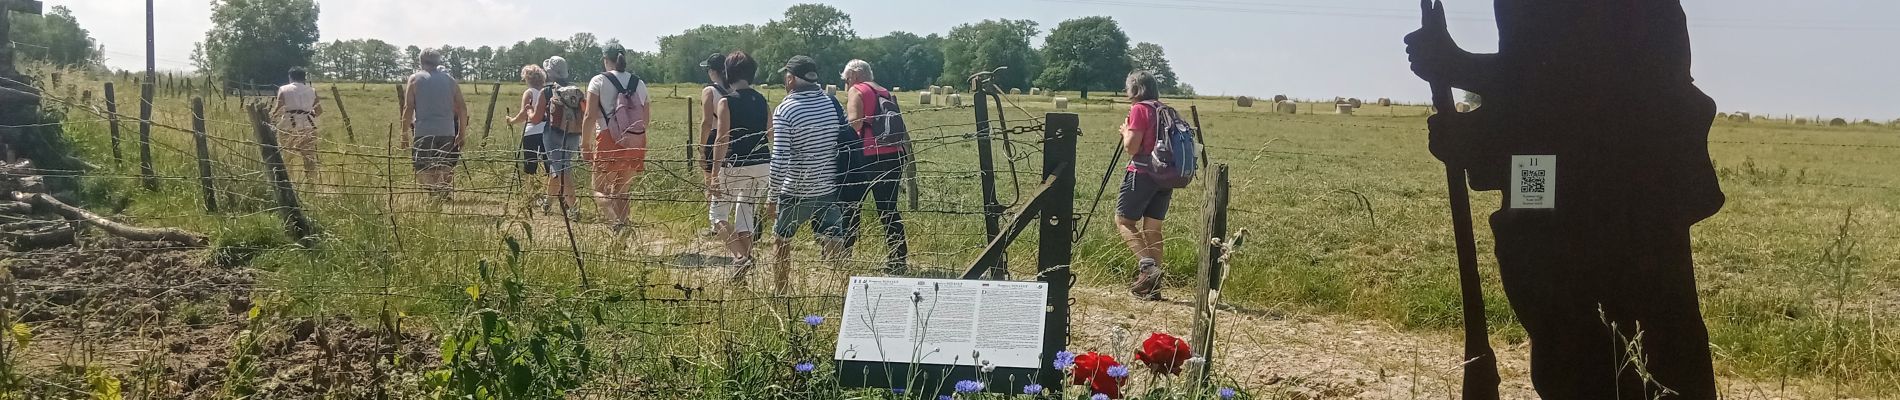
(942, 321)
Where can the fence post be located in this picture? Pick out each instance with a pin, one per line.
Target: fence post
(112, 120)
(1055, 250)
(493, 97)
(295, 223)
(147, 175)
(986, 170)
(400, 102)
(348, 129)
(204, 153)
(692, 133)
(1208, 279)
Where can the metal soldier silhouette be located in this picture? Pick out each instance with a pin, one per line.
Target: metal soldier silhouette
(1602, 90)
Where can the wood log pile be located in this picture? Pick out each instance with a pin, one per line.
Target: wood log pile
(32, 219)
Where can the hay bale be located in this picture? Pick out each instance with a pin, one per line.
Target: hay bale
(1035, 91)
(1286, 107)
(1243, 101)
(923, 97)
(1721, 116)
(1339, 100)
(1015, 91)
(1062, 103)
(1279, 98)
(1356, 103)
(936, 90)
(1343, 108)
(1837, 122)
(1801, 121)
(1385, 102)
(897, 89)
(956, 100)
(831, 90)
(1464, 107)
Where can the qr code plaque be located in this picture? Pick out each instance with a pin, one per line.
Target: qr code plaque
(1536, 181)
(1532, 181)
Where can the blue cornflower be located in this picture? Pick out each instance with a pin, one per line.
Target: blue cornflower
(1032, 389)
(814, 320)
(1064, 359)
(968, 386)
(945, 397)
(1099, 396)
(805, 367)
(1118, 372)
(1226, 393)
(897, 391)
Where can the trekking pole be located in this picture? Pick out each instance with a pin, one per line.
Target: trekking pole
(1480, 366)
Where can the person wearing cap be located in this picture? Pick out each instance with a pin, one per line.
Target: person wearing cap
(880, 172)
(740, 172)
(616, 161)
(805, 165)
(561, 140)
(298, 107)
(435, 118)
(715, 66)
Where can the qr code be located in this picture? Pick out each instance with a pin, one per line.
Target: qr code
(1531, 181)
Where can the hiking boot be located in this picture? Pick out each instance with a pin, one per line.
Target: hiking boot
(1147, 284)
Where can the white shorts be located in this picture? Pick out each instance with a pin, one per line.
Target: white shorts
(744, 189)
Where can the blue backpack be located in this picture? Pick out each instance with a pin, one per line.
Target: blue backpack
(1173, 162)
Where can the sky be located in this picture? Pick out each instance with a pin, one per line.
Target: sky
(1811, 57)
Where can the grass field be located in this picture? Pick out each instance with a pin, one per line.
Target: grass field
(1799, 274)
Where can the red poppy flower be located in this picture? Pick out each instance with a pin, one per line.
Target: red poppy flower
(1092, 369)
(1164, 353)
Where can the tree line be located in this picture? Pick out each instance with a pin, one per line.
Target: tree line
(256, 41)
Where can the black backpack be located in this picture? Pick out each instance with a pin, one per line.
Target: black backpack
(887, 124)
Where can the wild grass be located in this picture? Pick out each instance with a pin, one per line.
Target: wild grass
(1347, 215)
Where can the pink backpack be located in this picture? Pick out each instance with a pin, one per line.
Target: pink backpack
(625, 121)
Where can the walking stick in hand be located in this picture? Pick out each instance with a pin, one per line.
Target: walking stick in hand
(1481, 365)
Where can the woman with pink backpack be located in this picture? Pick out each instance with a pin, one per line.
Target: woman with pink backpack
(882, 166)
(617, 110)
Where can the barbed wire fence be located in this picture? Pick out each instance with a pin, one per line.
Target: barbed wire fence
(659, 274)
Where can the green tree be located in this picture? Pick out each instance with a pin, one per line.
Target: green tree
(1083, 54)
(679, 56)
(986, 45)
(815, 30)
(903, 59)
(1150, 57)
(54, 38)
(257, 40)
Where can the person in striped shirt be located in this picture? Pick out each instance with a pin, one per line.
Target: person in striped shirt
(804, 168)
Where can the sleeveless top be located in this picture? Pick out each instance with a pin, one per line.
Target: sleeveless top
(712, 134)
(750, 118)
(868, 96)
(435, 107)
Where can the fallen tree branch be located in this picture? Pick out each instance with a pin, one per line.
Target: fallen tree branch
(173, 235)
(15, 208)
(44, 238)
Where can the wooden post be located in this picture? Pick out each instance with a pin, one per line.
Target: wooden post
(1199, 135)
(1055, 251)
(112, 123)
(146, 174)
(1208, 278)
(400, 102)
(692, 133)
(493, 97)
(204, 153)
(348, 129)
(295, 223)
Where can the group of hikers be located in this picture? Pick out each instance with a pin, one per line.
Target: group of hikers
(812, 160)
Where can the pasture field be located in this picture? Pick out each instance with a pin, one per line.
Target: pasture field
(1799, 273)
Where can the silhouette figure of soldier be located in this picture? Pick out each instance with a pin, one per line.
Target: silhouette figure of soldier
(1603, 88)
